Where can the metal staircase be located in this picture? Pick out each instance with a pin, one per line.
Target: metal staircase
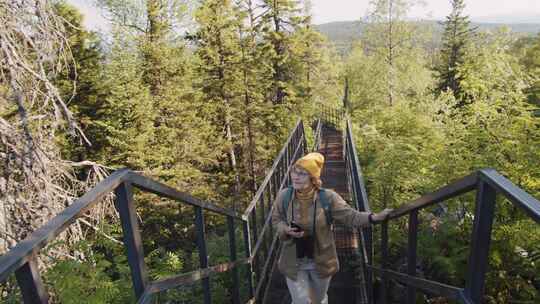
(333, 137)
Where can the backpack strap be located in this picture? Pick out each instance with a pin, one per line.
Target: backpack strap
(323, 198)
(285, 203)
(326, 205)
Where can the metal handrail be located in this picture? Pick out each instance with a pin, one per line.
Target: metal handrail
(297, 131)
(260, 209)
(487, 183)
(22, 259)
(512, 192)
(360, 200)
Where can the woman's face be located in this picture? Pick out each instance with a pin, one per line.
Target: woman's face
(300, 178)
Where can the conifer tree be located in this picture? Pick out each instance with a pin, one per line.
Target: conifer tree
(80, 83)
(456, 39)
(220, 76)
(157, 120)
(183, 144)
(253, 75)
(125, 118)
(281, 19)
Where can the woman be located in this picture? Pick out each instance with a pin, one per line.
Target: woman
(308, 258)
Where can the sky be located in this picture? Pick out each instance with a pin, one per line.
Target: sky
(346, 10)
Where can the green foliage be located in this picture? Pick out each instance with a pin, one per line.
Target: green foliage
(420, 144)
(80, 85)
(395, 69)
(220, 77)
(400, 147)
(444, 248)
(499, 123)
(208, 117)
(530, 60)
(514, 260)
(222, 284)
(100, 273)
(282, 20)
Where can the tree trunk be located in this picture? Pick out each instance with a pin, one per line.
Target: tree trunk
(228, 121)
(391, 72)
(248, 100)
(278, 68)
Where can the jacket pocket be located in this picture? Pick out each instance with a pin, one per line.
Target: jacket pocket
(287, 259)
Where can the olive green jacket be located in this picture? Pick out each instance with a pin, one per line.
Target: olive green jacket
(325, 255)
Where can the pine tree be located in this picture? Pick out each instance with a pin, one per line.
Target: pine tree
(253, 92)
(219, 50)
(314, 75)
(183, 145)
(282, 18)
(81, 84)
(456, 39)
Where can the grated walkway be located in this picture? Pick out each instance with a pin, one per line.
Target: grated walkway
(334, 177)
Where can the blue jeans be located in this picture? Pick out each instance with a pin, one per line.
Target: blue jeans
(308, 287)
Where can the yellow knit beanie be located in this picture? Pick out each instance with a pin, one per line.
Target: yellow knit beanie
(312, 163)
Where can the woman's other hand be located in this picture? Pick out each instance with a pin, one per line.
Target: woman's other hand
(381, 216)
(294, 232)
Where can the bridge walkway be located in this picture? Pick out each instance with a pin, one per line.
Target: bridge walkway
(347, 285)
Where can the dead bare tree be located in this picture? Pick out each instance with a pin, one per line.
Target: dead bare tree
(35, 182)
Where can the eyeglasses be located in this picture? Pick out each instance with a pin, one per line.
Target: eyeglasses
(301, 173)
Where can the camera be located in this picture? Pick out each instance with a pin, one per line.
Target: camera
(297, 227)
(304, 245)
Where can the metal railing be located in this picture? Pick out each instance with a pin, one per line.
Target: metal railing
(337, 119)
(22, 259)
(487, 183)
(358, 192)
(332, 116)
(258, 212)
(261, 243)
(317, 133)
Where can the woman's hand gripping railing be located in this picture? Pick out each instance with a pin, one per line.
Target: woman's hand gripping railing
(487, 183)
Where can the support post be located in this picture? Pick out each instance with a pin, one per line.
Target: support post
(411, 254)
(384, 253)
(233, 258)
(247, 246)
(254, 232)
(481, 239)
(30, 282)
(132, 237)
(203, 253)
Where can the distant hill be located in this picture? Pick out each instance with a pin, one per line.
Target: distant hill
(509, 18)
(343, 33)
